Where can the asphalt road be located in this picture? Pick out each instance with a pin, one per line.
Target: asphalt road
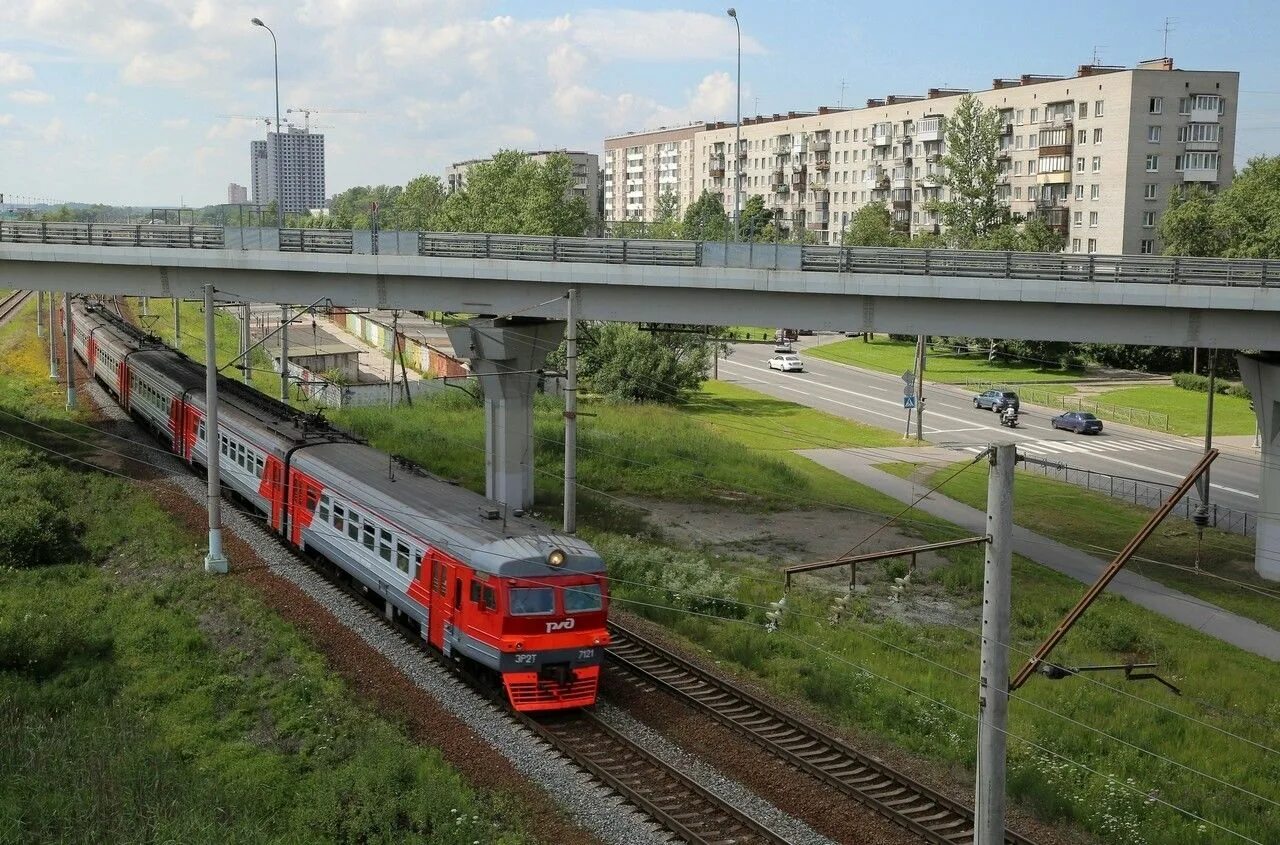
(951, 420)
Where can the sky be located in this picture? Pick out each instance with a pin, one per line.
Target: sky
(123, 101)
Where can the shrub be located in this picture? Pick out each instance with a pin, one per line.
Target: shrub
(1200, 384)
(34, 531)
(675, 578)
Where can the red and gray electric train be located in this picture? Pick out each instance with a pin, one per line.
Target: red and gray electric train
(503, 593)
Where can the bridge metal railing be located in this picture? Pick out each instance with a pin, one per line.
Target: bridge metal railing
(317, 240)
(113, 234)
(1147, 269)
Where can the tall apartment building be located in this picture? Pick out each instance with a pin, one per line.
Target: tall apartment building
(586, 174)
(1096, 155)
(639, 167)
(290, 164)
(237, 194)
(258, 172)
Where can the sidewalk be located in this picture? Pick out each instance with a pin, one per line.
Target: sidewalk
(1208, 619)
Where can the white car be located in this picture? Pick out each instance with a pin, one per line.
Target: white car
(786, 363)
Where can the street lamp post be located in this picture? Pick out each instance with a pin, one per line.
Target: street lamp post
(275, 59)
(737, 136)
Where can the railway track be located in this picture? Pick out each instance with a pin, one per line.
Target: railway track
(11, 303)
(916, 807)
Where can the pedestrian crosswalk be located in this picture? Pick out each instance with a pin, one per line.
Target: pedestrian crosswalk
(1086, 445)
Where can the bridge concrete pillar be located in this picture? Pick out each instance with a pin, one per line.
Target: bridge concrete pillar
(505, 354)
(1261, 374)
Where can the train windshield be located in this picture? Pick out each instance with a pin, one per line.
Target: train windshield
(583, 598)
(532, 601)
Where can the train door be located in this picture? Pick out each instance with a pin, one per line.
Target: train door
(444, 601)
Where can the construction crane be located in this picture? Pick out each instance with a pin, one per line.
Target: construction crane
(307, 112)
(267, 120)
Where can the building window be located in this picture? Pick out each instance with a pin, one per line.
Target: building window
(1153, 163)
(1017, 142)
(1149, 191)
(1075, 244)
(1095, 192)
(1079, 191)
(1080, 164)
(1017, 167)
(1093, 219)
(1035, 115)
(1184, 105)
(1146, 247)
(1097, 136)
(1153, 134)
(1077, 218)
(1093, 245)
(1097, 163)
(1017, 117)
(1017, 193)
(1155, 105)
(1148, 219)
(1082, 136)
(1097, 112)
(1084, 110)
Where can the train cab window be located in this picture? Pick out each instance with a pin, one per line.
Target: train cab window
(384, 544)
(475, 591)
(353, 526)
(490, 598)
(583, 598)
(532, 601)
(402, 557)
(369, 534)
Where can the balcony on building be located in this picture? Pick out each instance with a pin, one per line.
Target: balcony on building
(717, 168)
(797, 178)
(821, 142)
(1006, 129)
(819, 185)
(1004, 153)
(1204, 108)
(1054, 177)
(930, 129)
(902, 205)
(1055, 217)
(778, 178)
(1200, 174)
(901, 178)
(932, 177)
(881, 135)
(818, 224)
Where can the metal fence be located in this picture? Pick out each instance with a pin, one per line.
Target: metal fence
(1038, 395)
(1150, 494)
(1032, 266)
(316, 240)
(113, 234)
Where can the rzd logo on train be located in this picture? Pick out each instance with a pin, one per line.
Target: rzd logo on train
(566, 625)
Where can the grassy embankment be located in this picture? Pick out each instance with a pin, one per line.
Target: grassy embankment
(1187, 409)
(1101, 525)
(143, 701)
(860, 671)
(897, 357)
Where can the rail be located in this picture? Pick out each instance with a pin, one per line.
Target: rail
(113, 234)
(1028, 266)
(923, 811)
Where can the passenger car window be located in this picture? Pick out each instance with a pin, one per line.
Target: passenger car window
(402, 557)
(532, 601)
(583, 598)
(368, 536)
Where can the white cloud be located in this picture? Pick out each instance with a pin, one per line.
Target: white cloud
(30, 97)
(6, 119)
(659, 36)
(93, 98)
(53, 131)
(13, 69)
(175, 123)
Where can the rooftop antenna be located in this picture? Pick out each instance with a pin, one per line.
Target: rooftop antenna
(841, 92)
(1170, 24)
(1097, 59)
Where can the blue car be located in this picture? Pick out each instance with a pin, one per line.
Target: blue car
(1078, 421)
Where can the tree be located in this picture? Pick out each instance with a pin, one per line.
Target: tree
(1247, 213)
(1032, 236)
(418, 205)
(621, 361)
(872, 225)
(756, 220)
(666, 223)
(705, 219)
(973, 139)
(512, 194)
(1190, 227)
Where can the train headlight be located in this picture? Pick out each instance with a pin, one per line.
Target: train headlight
(556, 557)
(519, 646)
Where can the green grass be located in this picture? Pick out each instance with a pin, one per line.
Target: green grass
(144, 701)
(912, 684)
(1094, 522)
(755, 333)
(1187, 409)
(897, 357)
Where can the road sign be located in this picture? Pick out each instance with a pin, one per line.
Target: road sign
(909, 377)
(908, 390)
(908, 401)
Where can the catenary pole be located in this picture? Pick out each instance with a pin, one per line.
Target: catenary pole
(177, 323)
(53, 340)
(1208, 426)
(66, 339)
(571, 414)
(39, 313)
(737, 136)
(284, 353)
(246, 372)
(993, 675)
(391, 382)
(214, 561)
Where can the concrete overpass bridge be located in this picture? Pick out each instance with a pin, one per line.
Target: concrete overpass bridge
(1214, 303)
